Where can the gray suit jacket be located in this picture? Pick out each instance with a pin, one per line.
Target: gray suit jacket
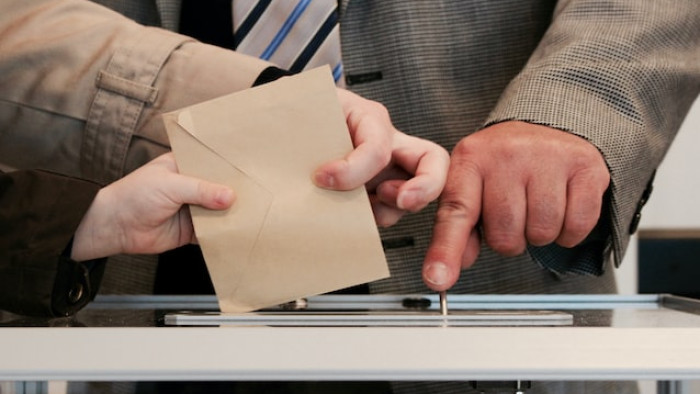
(621, 74)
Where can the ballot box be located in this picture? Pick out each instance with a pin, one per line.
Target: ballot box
(481, 338)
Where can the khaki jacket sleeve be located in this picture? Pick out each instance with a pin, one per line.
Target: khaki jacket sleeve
(622, 74)
(82, 88)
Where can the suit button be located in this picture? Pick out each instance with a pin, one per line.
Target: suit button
(75, 294)
(635, 222)
(642, 201)
(646, 194)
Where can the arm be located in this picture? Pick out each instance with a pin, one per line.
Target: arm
(619, 79)
(41, 213)
(82, 87)
(93, 110)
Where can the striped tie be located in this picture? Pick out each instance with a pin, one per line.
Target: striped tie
(293, 34)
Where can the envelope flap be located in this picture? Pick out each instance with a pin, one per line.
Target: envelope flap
(269, 133)
(219, 231)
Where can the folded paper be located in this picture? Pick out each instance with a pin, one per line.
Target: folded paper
(284, 238)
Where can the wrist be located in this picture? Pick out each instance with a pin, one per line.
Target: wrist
(95, 236)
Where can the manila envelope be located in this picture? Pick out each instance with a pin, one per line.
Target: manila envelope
(284, 238)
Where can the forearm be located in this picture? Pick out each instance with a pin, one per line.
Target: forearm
(82, 88)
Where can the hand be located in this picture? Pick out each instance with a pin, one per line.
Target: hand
(145, 212)
(401, 172)
(526, 183)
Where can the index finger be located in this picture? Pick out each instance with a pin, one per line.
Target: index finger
(458, 213)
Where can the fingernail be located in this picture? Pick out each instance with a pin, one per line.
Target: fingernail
(324, 179)
(437, 274)
(224, 196)
(407, 199)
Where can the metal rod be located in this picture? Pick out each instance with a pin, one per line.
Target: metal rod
(443, 303)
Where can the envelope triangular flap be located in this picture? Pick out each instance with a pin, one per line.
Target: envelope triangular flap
(219, 232)
(311, 240)
(269, 131)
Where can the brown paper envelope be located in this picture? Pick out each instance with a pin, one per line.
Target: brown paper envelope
(284, 238)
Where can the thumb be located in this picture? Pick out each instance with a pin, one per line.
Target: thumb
(204, 193)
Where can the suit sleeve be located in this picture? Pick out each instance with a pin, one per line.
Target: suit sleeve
(39, 212)
(82, 87)
(622, 74)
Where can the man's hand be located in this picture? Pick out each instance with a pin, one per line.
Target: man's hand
(402, 173)
(526, 183)
(145, 212)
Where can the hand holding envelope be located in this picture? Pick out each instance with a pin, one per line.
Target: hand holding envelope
(284, 238)
(401, 173)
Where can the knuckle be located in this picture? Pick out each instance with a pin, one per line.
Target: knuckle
(380, 155)
(501, 234)
(466, 162)
(578, 227)
(463, 148)
(544, 221)
(379, 108)
(452, 209)
(506, 244)
(539, 235)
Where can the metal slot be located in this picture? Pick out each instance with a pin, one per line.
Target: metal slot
(372, 319)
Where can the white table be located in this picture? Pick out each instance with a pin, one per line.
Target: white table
(637, 338)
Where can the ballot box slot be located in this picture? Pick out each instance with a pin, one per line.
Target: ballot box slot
(372, 318)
